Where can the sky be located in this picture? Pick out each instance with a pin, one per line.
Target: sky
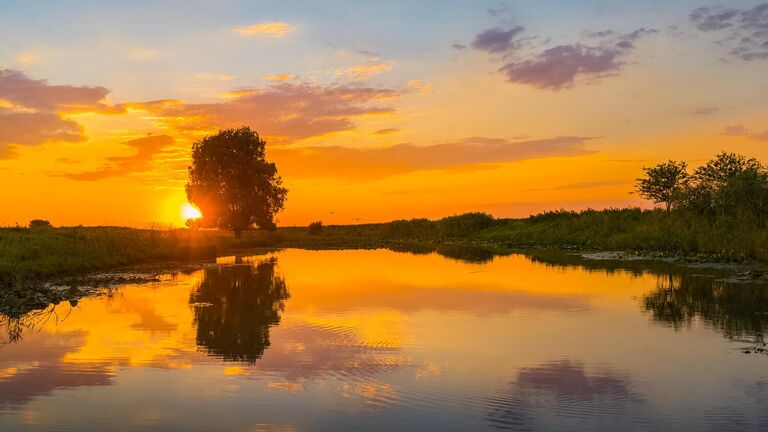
(374, 110)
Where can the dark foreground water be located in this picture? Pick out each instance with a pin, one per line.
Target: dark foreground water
(379, 340)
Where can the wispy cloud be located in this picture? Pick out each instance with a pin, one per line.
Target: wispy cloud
(27, 58)
(279, 77)
(363, 72)
(583, 185)
(740, 130)
(703, 111)
(145, 150)
(283, 112)
(419, 86)
(386, 131)
(141, 54)
(215, 76)
(380, 162)
(265, 29)
(745, 31)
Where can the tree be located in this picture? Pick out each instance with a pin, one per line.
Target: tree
(730, 185)
(232, 183)
(725, 166)
(662, 183)
(39, 223)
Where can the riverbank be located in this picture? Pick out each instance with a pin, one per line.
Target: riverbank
(30, 255)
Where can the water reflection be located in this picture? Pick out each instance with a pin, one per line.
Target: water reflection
(564, 392)
(736, 309)
(377, 340)
(235, 306)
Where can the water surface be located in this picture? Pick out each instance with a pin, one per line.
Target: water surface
(382, 340)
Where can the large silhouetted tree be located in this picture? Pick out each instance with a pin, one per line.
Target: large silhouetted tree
(232, 183)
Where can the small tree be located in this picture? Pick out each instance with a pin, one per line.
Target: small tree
(663, 182)
(232, 183)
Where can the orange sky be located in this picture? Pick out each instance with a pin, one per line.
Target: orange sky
(404, 111)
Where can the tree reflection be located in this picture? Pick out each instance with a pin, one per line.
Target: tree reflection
(737, 309)
(234, 308)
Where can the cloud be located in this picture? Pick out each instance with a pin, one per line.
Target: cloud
(140, 54)
(33, 112)
(740, 130)
(702, 111)
(560, 66)
(33, 128)
(495, 12)
(419, 86)
(386, 131)
(20, 90)
(363, 72)
(283, 112)
(214, 76)
(745, 30)
(584, 185)
(266, 29)
(27, 58)
(458, 46)
(279, 77)
(145, 150)
(371, 163)
(497, 40)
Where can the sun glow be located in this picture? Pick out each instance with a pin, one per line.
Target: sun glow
(188, 211)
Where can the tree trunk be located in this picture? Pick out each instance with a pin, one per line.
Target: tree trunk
(238, 233)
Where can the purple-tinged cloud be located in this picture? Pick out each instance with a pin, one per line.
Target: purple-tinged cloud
(560, 66)
(283, 112)
(33, 128)
(497, 40)
(739, 130)
(744, 30)
(23, 91)
(713, 18)
(32, 112)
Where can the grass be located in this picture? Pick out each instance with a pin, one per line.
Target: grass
(30, 255)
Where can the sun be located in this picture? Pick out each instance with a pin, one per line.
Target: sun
(188, 211)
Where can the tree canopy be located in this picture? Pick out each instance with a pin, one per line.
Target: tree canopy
(662, 182)
(727, 187)
(232, 183)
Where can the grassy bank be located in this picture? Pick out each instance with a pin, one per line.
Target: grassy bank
(34, 254)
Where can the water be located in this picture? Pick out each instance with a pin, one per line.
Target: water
(381, 340)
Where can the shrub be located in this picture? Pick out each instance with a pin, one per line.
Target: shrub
(316, 227)
(465, 224)
(39, 223)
